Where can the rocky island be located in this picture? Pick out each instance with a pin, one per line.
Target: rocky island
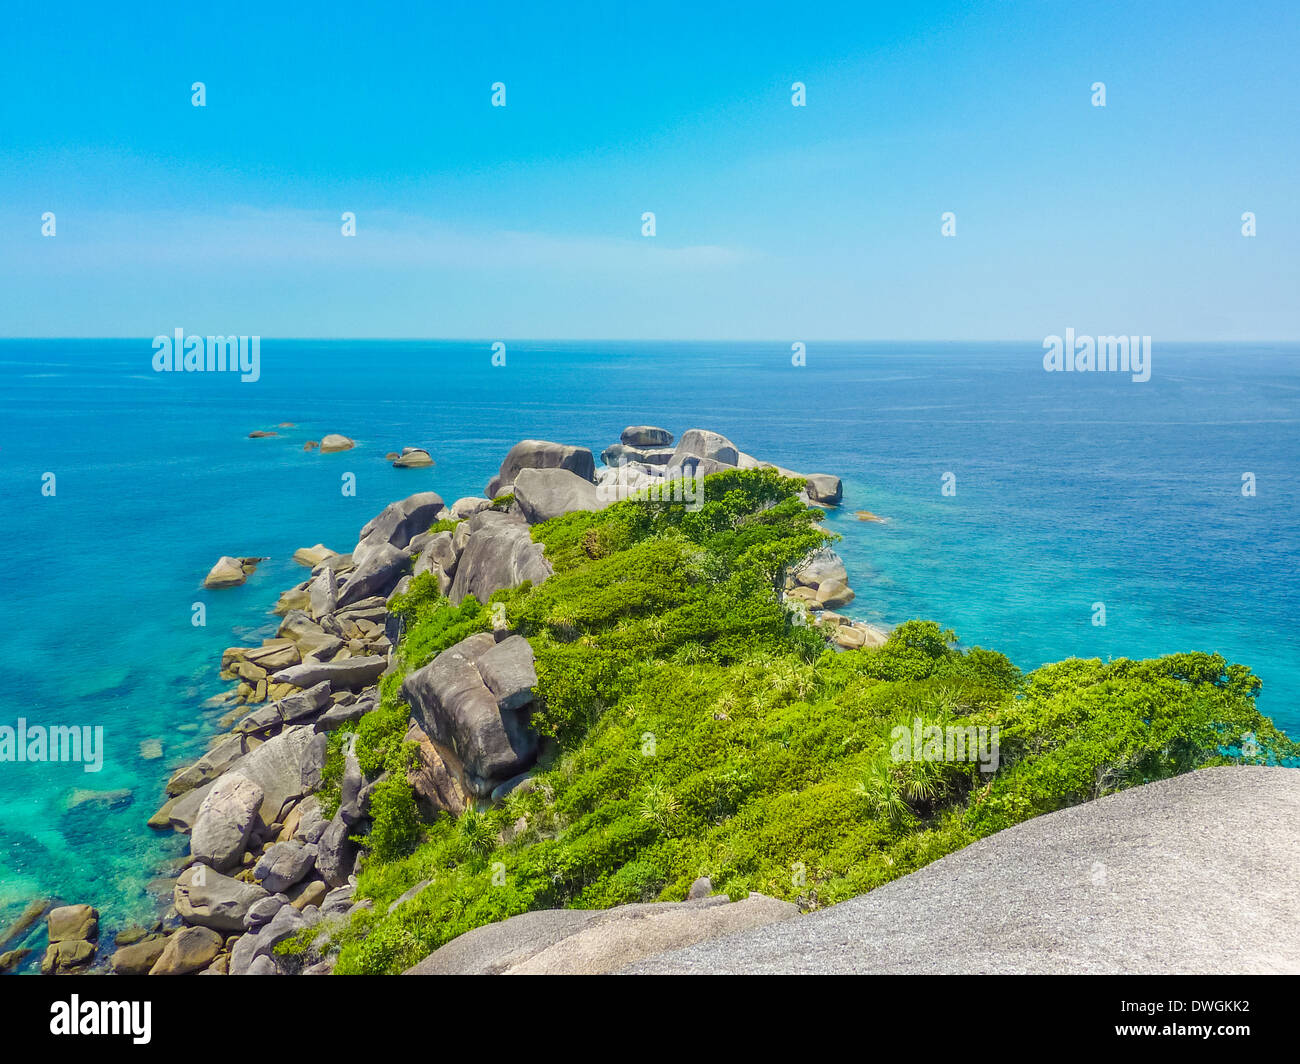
(598, 714)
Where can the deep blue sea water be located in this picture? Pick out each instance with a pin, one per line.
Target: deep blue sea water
(1071, 489)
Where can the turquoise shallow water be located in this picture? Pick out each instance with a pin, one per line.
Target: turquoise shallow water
(1071, 489)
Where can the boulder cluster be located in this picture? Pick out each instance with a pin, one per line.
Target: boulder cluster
(548, 479)
(264, 862)
(819, 586)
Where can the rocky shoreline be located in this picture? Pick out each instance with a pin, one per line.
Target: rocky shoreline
(264, 862)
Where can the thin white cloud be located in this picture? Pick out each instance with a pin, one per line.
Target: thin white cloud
(295, 238)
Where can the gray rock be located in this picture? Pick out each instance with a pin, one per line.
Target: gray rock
(469, 506)
(413, 458)
(306, 634)
(313, 761)
(701, 888)
(311, 823)
(283, 865)
(205, 897)
(620, 454)
(276, 767)
(350, 788)
(546, 493)
(185, 809)
(72, 923)
(596, 942)
(437, 551)
(303, 704)
(691, 465)
(261, 911)
(825, 489)
(138, 957)
(262, 721)
(507, 670)
(336, 716)
(212, 764)
(228, 572)
(1126, 884)
(646, 436)
(834, 594)
(225, 821)
(324, 591)
(821, 567)
(188, 950)
(349, 673)
(502, 789)
(399, 522)
(542, 454)
(339, 900)
(499, 553)
(286, 922)
(377, 575)
(706, 444)
(263, 964)
(453, 704)
(336, 853)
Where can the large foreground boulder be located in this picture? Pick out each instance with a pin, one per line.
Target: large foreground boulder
(596, 942)
(500, 553)
(1194, 874)
(473, 702)
(546, 493)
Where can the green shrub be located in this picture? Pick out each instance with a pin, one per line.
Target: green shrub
(700, 731)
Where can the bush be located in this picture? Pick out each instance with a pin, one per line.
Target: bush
(700, 731)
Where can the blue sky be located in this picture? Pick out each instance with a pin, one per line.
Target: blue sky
(773, 222)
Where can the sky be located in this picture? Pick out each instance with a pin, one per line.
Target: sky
(772, 221)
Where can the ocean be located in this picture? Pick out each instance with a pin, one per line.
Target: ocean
(1066, 491)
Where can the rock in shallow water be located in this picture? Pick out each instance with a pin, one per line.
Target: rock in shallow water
(334, 442)
(187, 951)
(228, 572)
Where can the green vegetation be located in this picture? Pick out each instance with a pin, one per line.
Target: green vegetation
(698, 730)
